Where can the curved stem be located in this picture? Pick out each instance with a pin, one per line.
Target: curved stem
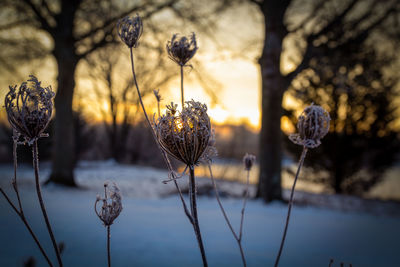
(108, 246)
(182, 95)
(237, 238)
(166, 159)
(42, 206)
(303, 155)
(193, 206)
(23, 219)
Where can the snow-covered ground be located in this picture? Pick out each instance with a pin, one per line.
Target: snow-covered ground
(152, 229)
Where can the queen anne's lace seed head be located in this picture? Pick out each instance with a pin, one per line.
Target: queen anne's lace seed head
(29, 109)
(248, 161)
(182, 49)
(112, 204)
(211, 151)
(184, 135)
(130, 30)
(313, 125)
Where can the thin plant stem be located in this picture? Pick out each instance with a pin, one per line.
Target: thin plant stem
(42, 206)
(237, 238)
(158, 107)
(193, 206)
(166, 159)
(14, 181)
(24, 220)
(182, 94)
(108, 246)
(303, 155)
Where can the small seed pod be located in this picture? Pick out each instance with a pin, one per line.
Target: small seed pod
(184, 135)
(29, 109)
(248, 161)
(112, 204)
(313, 125)
(130, 30)
(157, 94)
(182, 49)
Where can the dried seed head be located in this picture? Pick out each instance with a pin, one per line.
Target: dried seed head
(29, 109)
(112, 204)
(130, 30)
(313, 125)
(182, 49)
(157, 94)
(248, 161)
(184, 135)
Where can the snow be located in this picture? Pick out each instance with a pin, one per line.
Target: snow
(152, 229)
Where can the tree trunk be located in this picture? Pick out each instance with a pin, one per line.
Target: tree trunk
(273, 87)
(63, 159)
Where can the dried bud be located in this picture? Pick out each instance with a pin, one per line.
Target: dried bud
(185, 135)
(29, 109)
(248, 161)
(182, 49)
(157, 94)
(130, 30)
(313, 125)
(112, 204)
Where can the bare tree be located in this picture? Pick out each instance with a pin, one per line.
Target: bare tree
(328, 24)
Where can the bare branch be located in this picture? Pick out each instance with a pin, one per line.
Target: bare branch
(42, 20)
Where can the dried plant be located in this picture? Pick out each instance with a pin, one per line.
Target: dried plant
(181, 50)
(110, 210)
(192, 216)
(158, 98)
(185, 135)
(29, 110)
(313, 125)
(248, 161)
(130, 30)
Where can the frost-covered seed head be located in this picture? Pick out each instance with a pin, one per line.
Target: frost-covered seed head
(112, 204)
(130, 30)
(211, 151)
(184, 135)
(29, 109)
(182, 49)
(313, 125)
(248, 161)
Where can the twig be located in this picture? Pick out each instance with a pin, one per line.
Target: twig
(193, 206)
(166, 159)
(237, 238)
(42, 206)
(303, 155)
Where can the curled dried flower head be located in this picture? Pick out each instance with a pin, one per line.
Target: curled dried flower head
(29, 109)
(313, 125)
(130, 30)
(182, 49)
(157, 94)
(112, 204)
(248, 161)
(185, 135)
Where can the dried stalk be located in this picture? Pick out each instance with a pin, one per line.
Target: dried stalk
(108, 246)
(238, 238)
(182, 95)
(19, 211)
(42, 206)
(193, 206)
(303, 155)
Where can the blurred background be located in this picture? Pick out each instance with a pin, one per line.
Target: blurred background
(259, 64)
